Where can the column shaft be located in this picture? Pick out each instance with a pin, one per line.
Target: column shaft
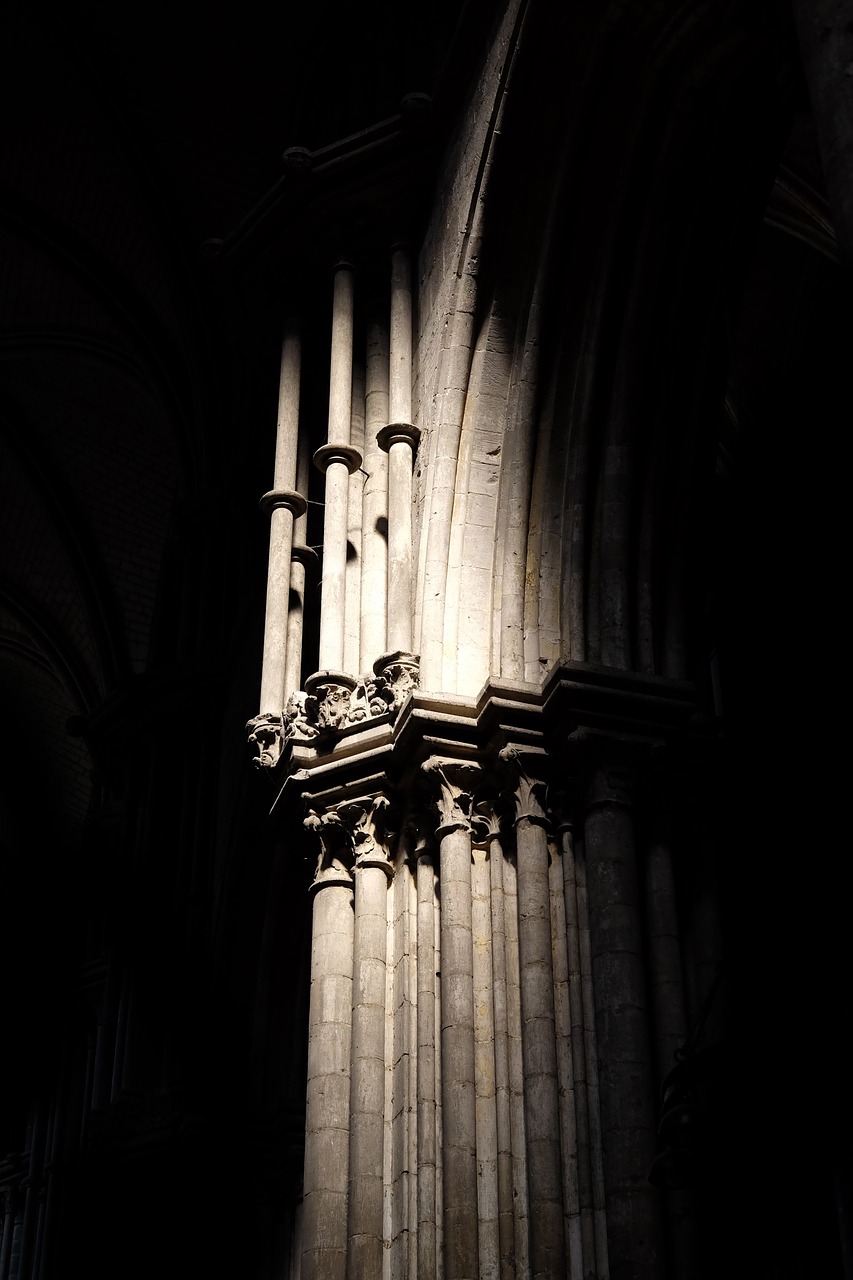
(340, 369)
(426, 1069)
(579, 1054)
(333, 599)
(400, 370)
(541, 1104)
(503, 1101)
(399, 438)
(374, 534)
(355, 519)
(273, 692)
(400, 546)
(367, 1095)
(296, 609)
(338, 460)
(670, 1022)
(625, 1075)
(278, 601)
(458, 1093)
(328, 1091)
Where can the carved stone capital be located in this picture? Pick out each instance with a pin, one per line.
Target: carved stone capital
(452, 783)
(266, 734)
(335, 859)
(419, 831)
(366, 820)
(300, 717)
(527, 768)
(610, 788)
(332, 691)
(563, 804)
(397, 675)
(10, 1197)
(486, 823)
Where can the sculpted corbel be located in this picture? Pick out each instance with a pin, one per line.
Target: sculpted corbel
(266, 734)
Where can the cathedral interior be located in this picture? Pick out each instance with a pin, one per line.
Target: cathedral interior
(652, 205)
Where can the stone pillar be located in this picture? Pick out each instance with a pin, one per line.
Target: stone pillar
(503, 1089)
(670, 1014)
(825, 33)
(621, 1017)
(399, 439)
(10, 1207)
(301, 557)
(583, 1147)
(426, 1063)
(327, 1120)
(374, 532)
(452, 782)
(372, 871)
(338, 460)
(283, 504)
(538, 1027)
(355, 525)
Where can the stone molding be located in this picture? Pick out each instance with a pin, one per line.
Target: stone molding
(287, 499)
(345, 453)
(398, 433)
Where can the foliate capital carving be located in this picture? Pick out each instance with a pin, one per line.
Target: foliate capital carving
(419, 831)
(331, 692)
(397, 674)
(366, 820)
(486, 824)
(610, 788)
(10, 1197)
(452, 783)
(335, 859)
(527, 768)
(301, 717)
(266, 734)
(563, 800)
